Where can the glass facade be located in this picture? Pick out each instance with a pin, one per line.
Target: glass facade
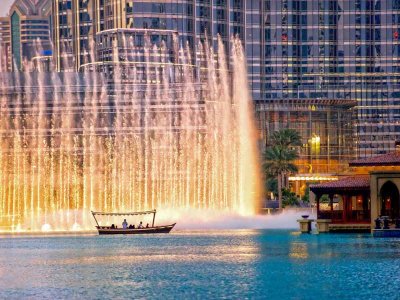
(29, 32)
(326, 128)
(5, 46)
(63, 35)
(137, 55)
(194, 20)
(295, 49)
(35, 37)
(16, 39)
(170, 15)
(343, 50)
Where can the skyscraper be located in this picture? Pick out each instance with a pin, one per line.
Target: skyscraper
(306, 50)
(78, 22)
(28, 23)
(337, 50)
(5, 46)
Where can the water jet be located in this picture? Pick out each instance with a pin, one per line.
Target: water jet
(159, 134)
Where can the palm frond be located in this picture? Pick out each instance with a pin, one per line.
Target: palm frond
(286, 138)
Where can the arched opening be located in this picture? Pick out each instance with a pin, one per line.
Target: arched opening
(390, 200)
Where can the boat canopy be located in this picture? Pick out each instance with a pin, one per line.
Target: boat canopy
(135, 213)
(124, 213)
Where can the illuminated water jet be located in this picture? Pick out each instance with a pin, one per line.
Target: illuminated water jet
(46, 227)
(76, 227)
(161, 134)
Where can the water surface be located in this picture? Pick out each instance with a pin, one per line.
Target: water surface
(256, 264)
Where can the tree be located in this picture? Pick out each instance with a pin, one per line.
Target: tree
(289, 198)
(285, 138)
(306, 197)
(271, 185)
(280, 155)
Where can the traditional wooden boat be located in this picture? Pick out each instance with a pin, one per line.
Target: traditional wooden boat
(145, 230)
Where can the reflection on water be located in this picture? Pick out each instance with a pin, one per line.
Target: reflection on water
(298, 250)
(204, 264)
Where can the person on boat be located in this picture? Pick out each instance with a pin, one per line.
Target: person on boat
(147, 226)
(112, 226)
(140, 225)
(125, 224)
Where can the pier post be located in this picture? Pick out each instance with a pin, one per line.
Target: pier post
(305, 224)
(323, 225)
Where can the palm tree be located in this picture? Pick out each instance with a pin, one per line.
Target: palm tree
(279, 156)
(285, 138)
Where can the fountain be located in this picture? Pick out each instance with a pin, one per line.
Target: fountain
(160, 134)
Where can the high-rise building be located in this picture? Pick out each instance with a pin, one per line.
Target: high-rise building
(326, 129)
(337, 50)
(78, 22)
(306, 50)
(5, 46)
(25, 32)
(137, 55)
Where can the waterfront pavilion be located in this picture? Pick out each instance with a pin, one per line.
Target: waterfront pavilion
(352, 203)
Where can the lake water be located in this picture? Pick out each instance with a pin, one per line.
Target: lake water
(256, 264)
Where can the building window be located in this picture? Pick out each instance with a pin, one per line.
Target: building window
(16, 39)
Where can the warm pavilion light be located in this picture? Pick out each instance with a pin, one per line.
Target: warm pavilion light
(313, 178)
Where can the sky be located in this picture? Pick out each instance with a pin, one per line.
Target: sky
(5, 6)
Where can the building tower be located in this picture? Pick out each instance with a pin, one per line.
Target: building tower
(77, 23)
(5, 45)
(319, 54)
(28, 23)
(337, 50)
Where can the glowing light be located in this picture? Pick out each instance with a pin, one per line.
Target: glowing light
(46, 227)
(177, 140)
(315, 142)
(312, 178)
(18, 228)
(76, 227)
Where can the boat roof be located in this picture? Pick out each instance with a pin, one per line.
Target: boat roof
(135, 213)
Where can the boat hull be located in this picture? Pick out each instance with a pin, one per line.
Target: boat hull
(151, 230)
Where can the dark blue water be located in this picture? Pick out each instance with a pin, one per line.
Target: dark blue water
(261, 264)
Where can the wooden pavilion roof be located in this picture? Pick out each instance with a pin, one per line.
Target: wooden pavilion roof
(388, 159)
(350, 183)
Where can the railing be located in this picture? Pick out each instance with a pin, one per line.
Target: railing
(359, 216)
(337, 216)
(330, 214)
